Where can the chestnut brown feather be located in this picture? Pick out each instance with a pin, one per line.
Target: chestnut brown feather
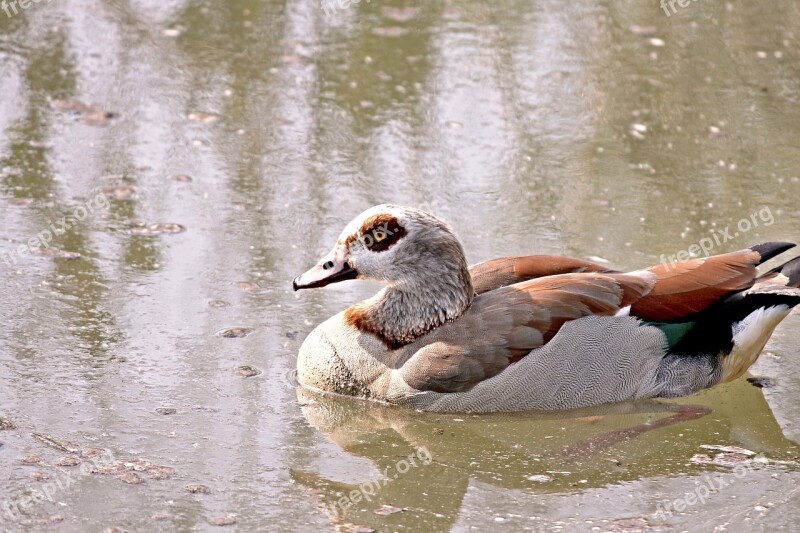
(504, 271)
(682, 289)
(686, 288)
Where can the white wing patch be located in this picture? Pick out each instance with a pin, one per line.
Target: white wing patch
(749, 338)
(625, 311)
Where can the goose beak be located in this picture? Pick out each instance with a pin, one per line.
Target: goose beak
(332, 268)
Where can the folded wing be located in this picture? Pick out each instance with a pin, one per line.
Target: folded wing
(505, 324)
(682, 289)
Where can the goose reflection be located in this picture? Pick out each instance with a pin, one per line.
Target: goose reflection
(552, 452)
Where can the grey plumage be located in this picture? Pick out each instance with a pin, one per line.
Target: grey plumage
(591, 361)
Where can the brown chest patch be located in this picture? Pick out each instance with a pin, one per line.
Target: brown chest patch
(358, 318)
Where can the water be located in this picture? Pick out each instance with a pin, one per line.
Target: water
(546, 128)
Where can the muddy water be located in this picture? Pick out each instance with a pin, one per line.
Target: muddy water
(188, 159)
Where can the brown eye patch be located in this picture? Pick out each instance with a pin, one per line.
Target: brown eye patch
(381, 232)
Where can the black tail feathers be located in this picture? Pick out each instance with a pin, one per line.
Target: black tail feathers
(712, 332)
(768, 250)
(791, 271)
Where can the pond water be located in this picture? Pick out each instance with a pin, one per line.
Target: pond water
(184, 161)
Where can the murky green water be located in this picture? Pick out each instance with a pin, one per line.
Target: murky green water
(547, 127)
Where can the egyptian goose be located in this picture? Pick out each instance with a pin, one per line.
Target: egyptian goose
(532, 332)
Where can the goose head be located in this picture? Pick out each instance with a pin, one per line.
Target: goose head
(399, 246)
(415, 255)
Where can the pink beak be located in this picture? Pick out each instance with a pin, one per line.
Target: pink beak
(330, 269)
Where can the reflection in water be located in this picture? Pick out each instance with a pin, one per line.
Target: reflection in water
(533, 452)
(544, 128)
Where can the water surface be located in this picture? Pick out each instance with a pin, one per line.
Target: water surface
(612, 132)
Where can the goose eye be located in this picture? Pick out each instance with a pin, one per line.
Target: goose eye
(379, 235)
